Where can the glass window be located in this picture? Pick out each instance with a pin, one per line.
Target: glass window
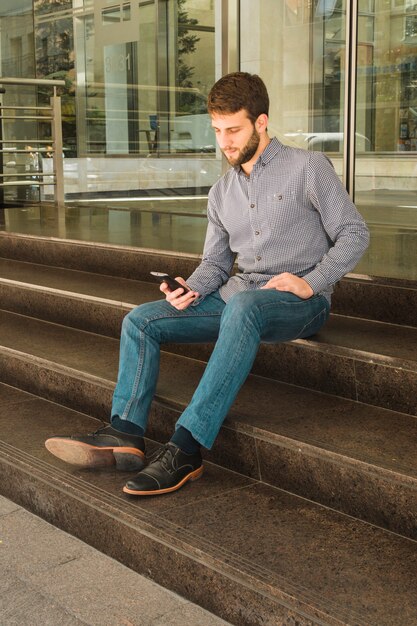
(17, 56)
(137, 75)
(138, 98)
(54, 54)
(386, 181)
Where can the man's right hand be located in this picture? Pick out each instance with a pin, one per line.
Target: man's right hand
(178, 298)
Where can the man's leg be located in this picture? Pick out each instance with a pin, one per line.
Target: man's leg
(143, 330)
(248, 318)
(265, 315)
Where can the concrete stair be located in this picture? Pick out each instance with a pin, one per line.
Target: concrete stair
(307, 513)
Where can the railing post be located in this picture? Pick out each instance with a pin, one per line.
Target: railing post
(2, 90)
(58, 149)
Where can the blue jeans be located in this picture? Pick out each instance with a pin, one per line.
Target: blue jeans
(238, 327)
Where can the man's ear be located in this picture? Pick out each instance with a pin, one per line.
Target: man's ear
(261, 123)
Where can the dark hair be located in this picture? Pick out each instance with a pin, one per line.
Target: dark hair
(238, 91)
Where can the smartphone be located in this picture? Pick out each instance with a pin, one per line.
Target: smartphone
(173, 284)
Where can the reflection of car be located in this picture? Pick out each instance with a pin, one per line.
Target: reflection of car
(190, 128)
(328, 142)
(192, 133)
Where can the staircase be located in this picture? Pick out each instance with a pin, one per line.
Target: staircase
(307, 511)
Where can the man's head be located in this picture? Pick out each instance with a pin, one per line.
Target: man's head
(238, 105)
(237, 91)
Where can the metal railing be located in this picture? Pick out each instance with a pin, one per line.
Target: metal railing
(52, 147)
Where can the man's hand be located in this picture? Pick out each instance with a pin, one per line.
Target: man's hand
(290, 282)
(178, 298)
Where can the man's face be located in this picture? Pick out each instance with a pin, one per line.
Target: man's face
(237, 136)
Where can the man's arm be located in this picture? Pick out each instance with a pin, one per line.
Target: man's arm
(341, 220)
(217, 262)
(343, 224)
(214, 269)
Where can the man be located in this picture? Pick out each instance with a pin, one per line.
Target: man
(284, 216)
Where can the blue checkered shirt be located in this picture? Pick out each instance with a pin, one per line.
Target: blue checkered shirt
(292, 214)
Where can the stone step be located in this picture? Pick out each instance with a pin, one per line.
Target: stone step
(350, 456)
(120, 261)
(386, 300)
(360, 359)
(247, 551)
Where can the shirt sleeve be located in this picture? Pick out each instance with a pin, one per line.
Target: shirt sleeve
(342, 222)
(217, 262)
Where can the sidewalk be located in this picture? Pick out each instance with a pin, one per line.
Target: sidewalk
(49, 578)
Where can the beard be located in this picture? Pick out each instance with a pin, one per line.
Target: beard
(247, 151)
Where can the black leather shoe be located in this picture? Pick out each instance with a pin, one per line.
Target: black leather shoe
(105, 447)
(169, 470)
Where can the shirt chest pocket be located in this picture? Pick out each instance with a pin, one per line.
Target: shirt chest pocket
(285, 209)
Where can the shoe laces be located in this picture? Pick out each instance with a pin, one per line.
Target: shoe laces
(164, 455)
(99, 430)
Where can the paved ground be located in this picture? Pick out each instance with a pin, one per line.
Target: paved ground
(49, 578)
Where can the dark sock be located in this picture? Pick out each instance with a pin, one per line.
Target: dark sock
(185, 441)
(126, 427)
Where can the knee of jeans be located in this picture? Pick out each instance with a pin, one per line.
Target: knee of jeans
(137, 317)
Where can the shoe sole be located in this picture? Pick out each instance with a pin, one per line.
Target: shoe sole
(195, 475)
(86, 456)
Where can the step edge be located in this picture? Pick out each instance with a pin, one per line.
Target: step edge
(403, 476)
(73, 295)
(56, 367)
(355, 354)
(98, 244)
(372, 321)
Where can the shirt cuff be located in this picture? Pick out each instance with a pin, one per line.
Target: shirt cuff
(316, 280)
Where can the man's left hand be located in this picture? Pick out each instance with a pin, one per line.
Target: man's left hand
(290, 282)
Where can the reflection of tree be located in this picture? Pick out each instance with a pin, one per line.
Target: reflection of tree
(54, 44)
(186, 44)
(48, 6)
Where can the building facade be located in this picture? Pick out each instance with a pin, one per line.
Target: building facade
(342, 78)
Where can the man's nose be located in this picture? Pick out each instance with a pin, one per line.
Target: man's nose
(223, 140)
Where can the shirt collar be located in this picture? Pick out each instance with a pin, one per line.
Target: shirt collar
(271, 150)
(267, 155)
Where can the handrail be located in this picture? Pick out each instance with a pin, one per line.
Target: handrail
(37, 177)
(51, 82)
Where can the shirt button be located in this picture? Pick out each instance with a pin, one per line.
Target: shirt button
(258, 258)
(257, 232)
(252, 206)
(251, 282)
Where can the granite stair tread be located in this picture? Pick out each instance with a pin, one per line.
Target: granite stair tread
(379, 339)
(113, 289)
(366, 433)
(266, 555)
